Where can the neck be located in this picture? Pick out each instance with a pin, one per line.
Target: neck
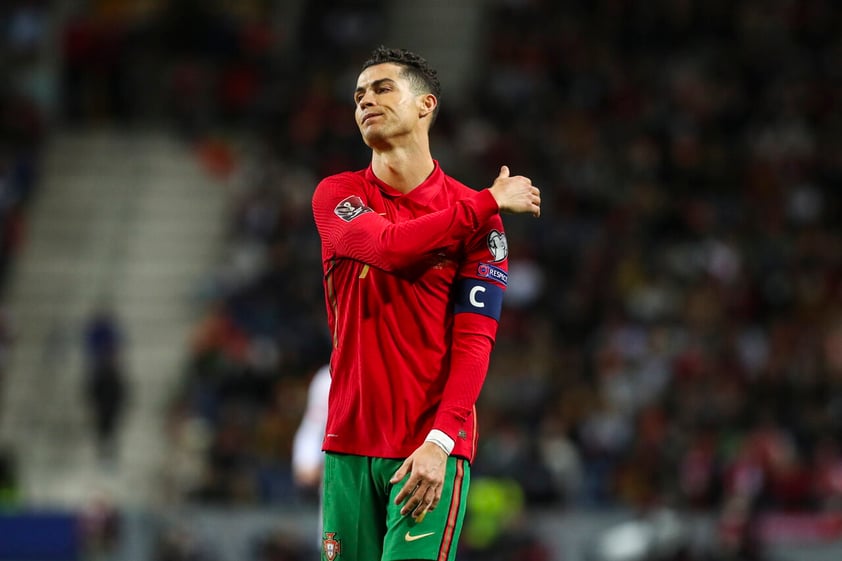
(403, 168)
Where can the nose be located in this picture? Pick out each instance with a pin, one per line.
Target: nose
(367, 99)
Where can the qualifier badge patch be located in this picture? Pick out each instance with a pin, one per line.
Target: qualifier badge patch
(498, 246)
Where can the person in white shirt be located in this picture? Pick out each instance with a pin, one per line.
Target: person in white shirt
(307, 455)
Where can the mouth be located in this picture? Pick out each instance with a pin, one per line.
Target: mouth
(369, 116)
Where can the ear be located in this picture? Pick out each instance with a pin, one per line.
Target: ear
(427, 104)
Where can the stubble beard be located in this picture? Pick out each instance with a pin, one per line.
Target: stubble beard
(377, 137)
(383, 136)
(373, 138)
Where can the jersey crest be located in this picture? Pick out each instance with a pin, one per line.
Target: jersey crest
(331, 546)
(497, 245)
(350, 208)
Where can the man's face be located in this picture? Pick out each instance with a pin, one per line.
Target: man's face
(386, 106)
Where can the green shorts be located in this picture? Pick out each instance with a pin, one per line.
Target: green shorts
(361, 521)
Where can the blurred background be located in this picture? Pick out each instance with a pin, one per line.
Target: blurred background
(667, 381)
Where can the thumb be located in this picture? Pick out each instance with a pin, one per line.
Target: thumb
(401, 473)
(504, 171)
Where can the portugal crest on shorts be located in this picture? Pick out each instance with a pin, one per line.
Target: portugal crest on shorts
(330, 546)
(497, 245)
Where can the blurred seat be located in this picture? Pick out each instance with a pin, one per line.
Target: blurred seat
(125, 218)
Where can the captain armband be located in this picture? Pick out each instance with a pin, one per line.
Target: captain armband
(479, 297)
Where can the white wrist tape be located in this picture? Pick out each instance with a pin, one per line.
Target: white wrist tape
(441, 440)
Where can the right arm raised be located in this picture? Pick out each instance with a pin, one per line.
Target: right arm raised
(350, 229)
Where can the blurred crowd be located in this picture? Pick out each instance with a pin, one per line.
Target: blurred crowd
(673, 330)
(672, 333)
(22, 124)
(22, 132)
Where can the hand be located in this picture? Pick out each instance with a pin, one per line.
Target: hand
(421, 492)
(516, 194)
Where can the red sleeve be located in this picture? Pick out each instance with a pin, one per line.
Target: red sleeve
(349, 228)
(470, 356)
(478, 301)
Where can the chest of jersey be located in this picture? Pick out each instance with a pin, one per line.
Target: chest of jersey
(431, 280)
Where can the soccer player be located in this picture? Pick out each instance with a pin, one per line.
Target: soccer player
(307, 454)
(415, 266)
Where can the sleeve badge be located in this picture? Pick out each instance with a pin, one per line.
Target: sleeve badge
(498, 246)
(350, 208)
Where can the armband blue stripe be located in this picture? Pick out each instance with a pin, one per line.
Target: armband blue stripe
(479, 297)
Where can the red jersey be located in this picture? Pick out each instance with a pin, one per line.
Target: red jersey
(413, 286)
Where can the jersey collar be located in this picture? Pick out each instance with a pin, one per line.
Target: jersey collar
(422, 194)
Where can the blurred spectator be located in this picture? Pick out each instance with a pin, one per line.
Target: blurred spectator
(9, 491)
(6, 341)
(100, 527)
(24, 30)
(280, 546)
(22, 133)
(178, 543)
(307, 455)
(494, 528)
(105, 383)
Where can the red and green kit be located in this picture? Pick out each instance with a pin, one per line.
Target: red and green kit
(414, 287)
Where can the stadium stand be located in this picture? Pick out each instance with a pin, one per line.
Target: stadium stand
(672, 333)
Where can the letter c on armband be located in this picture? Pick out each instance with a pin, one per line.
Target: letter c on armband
(472, 297)
(479, 297)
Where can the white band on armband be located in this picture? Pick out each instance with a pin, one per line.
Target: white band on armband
(441, 440)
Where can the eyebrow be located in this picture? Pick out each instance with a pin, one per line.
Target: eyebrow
(374, 84)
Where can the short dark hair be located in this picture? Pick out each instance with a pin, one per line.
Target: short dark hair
(422, 76)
